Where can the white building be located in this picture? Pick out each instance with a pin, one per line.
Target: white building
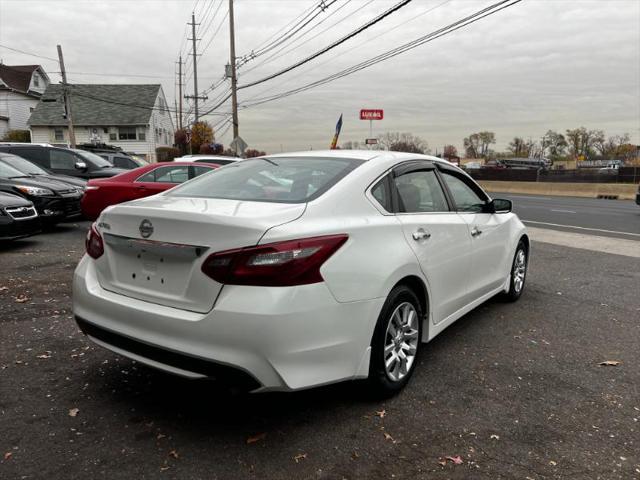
(133, 117)
(21, 86)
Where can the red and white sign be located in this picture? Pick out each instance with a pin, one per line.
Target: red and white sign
(376, 114)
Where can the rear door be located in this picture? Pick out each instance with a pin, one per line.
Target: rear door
(438, 236)
(488, 232)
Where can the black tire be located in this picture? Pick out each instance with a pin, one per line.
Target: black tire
(514, 292)
(380, 382)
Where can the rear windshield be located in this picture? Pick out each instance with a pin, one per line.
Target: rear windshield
(281, 180)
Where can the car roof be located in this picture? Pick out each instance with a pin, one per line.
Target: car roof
(365, 155)
(192, 158)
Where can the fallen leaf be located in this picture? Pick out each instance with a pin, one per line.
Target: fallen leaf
(174, 454)
(388, 437)
(256, 438)
(381, 413)
(21, 299)
(300, 456)
(44, 355)
(552, 463)
(457, 460)
(160, 436)
(610, 363)
(8, 455)
(2, 289)
(165, 468)
(73, 412)
(442, 462)
(495, 437)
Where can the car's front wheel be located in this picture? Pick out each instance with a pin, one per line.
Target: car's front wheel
(395, 342)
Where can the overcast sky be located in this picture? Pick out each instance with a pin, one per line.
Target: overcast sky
(539, 65)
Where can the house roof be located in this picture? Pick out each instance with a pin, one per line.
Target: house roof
(97, 105)
(17, 77)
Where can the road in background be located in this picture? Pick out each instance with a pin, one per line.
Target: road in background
(616, 217)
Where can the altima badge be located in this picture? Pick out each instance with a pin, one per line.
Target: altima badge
(146, 228)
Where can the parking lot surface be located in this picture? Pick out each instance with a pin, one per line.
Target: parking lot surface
(509, 391)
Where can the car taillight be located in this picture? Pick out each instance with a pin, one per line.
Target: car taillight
(281, 264)
(93, 242)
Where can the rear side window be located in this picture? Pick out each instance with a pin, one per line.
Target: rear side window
(280, 180)
(198, 170)
(420, 191)
(166, 175)
(382, 194)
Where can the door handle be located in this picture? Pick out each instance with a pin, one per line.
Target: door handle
(420, 234)
(475, 232)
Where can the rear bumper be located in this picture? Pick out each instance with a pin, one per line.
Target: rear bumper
(276, 338)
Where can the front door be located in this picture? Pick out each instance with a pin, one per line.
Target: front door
(487, 231)
(438, 236)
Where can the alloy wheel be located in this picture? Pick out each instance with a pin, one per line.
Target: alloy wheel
(401, 341)
(519, 270)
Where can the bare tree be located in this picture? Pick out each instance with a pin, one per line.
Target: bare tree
(554, 143)
(404, 142)
(450, 151)
(476, 145)
(517, 147)
(581, 141)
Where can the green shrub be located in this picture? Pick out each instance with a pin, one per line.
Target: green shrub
(23, 136)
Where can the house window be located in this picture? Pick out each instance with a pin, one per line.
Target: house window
(161, 104)
(36, 81)
(58, 134)
(31, 109)
(113, 137)
(142, 134)
(126, 133)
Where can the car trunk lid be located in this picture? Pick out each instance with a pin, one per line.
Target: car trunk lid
(154, 247)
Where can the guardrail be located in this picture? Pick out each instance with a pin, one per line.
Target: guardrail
(622, 175)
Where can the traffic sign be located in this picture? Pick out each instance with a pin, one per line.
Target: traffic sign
(371, 114)
(239, 145)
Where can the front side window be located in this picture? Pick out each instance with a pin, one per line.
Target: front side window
(126, 133)
(464, 196)
(63, 160)
(166, 175)
(281, 180)
(419, 191)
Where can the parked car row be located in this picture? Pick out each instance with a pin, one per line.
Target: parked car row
(42, 185)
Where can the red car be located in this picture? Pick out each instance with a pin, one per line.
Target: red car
(138, 183)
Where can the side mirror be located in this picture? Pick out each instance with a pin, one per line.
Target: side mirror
(80, 165)
(500, 205)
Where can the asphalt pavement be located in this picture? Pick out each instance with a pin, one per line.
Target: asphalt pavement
(601, 217)
(514, 390)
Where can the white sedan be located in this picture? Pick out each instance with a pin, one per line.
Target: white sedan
(296, 270)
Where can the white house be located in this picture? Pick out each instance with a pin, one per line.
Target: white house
(133, 117)
(21, 86)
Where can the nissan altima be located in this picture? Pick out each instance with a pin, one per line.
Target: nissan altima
(291, 271)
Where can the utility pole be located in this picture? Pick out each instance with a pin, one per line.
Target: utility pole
(67, 99)
(179, 120)
(234, 76)
(195, 95)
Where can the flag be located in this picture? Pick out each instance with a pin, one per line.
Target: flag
(334, 143)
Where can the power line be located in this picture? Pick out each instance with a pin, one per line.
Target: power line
(355, 47)
(479, 15)
(357, 31)
(215, 32)
(304, 13)
(276, 55)
(29, 53)
(289, 34)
